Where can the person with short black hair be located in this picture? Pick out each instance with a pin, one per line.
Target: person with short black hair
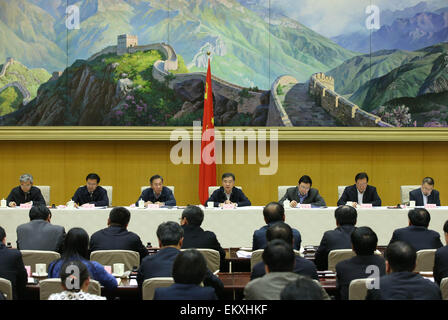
(364, 241)
(91, 193)
(116, 236)
(39, 233)
(360, 192)
(338, 238)
(417, 233)
(303, 288)
(440, 270)
(426, 194)
(303, 193)
(273, 212)
(26, 193)
(157, 193)
(401, 283)
(228, 193)
(195, 236)
(187, 280)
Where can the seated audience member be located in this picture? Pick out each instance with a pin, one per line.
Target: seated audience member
(364, 242)
(303, 193)
(338, 238)
(282, 231)
(195, 236)
(426, 194)
(360, 192)
(39, 233)
(12, 268)
(91, 193)
(441, 259)
(273, 212)
(170, 235)
(401, 283)
(417, 233)
(26, 193)
(76, 247)
(78, 282)
(303, 288)
(228, 193)
(187, 280)
(157, 193)
(116, 236)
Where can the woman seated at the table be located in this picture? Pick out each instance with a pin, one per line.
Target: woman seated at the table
(77, 281)
(76, 247)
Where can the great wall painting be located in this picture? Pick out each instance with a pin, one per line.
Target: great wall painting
(142, 63)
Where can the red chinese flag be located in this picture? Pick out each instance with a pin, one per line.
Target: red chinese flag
(207, 168)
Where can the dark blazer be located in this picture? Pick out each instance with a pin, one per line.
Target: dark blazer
(404, 286)
(313, 198)
(166, 196)
(13, 269)
(196, 237)
(441, 264)
(99, 196)
(338, 238)
(355, 268)
(117, 238)
(419, 237)
(180, 291)
(18, 196)
(259, 238)
(351, 194)
(417, 196)
(39, 234)
(302, 266)
(237, 196)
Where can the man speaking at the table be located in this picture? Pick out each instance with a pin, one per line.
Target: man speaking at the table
(91, 193)
(228, 193)
(360, 193)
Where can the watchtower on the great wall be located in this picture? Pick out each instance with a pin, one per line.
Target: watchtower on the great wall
(124, 42)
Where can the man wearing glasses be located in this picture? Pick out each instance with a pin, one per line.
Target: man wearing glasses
(360, 193)
(426, 194)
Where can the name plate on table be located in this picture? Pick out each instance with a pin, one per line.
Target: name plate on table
(431, 206)
(88, 206)
(366, 205)
(25, 206)
(153, 206)
(304, 206)
(228, 206)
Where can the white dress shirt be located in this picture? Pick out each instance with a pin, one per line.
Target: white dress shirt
(359, 196)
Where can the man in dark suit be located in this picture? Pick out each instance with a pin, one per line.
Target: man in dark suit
(303, 193)
(170, 235)
(273, 212)
(360, 192)
(26, 193)
(364, 242)
(157, 193)
(12, 268)
(417, 233)
(91, 193)
(426, 194)
(281, 230)
(195, 236)
(441, 259)
(187, 280)
(338, 238)
(228, 193)
(39, 233)
(401, 283)
(116, 236)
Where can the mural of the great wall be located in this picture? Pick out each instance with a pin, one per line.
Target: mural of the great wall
(274, 63)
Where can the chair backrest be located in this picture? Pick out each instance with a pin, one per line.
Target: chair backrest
(358, 289)
(6, 288)
(45, 190)
(49, 286)
(109, 190)
(341, 191)
(31, 257)
(149, 286)
(444, 288)
(146, 187)
(282, 191)
(404, 191)
(213, 188)
(425, 260)
(109, 257)
(257, 256)
(336, 256)
(212, 258)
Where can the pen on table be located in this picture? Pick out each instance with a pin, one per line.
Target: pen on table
(216, 272)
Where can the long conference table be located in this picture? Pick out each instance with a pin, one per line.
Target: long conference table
(233, 227)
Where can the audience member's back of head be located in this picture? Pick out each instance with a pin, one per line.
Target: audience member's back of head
(345, 215)
(364, 241)
(189, 267)
(279, 256)
(401, 256)
(2, 234)
(76, 244)
(419, 217)
(194, 215)
(39, 212)
(273, 212)
(445, 227)
(279, 230)
(74, 273)
(120, 216)
(303, 288)
(169, 233)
